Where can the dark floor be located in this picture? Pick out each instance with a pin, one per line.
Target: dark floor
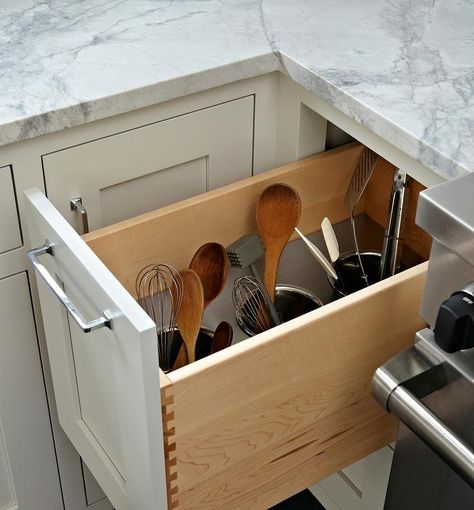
(302, 501)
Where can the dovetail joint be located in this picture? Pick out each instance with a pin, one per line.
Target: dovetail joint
(167, 410)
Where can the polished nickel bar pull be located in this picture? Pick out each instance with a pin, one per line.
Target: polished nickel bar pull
(76, 205)
(87, 327)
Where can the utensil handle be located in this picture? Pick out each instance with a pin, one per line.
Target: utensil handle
(270, 270)
(271, 307)
(393, 242)
(318, 255)
(101, 322)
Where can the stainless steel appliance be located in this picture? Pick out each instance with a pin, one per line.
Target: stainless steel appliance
(430, 387)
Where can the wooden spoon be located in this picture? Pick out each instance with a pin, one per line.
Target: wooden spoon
(222, 337)
(190, 313)
(211, 264)
(278, 213)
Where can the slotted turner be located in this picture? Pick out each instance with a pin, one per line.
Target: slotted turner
(362, 172)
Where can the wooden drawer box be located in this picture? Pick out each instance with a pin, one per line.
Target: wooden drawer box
(250, 425)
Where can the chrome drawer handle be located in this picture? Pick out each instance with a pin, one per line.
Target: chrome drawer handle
(77, 205)
(87, 327)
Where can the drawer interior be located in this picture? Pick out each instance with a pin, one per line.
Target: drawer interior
(174, 233)
(265, 418)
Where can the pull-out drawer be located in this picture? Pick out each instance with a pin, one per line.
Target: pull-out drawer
(245, 427)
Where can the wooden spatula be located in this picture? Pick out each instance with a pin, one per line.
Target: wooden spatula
(278, 213)
(211, 264)
(191, 310)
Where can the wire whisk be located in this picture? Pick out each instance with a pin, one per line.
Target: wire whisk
(250, 300)
(159, 289)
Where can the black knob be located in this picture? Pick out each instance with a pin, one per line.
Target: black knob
(454, 328)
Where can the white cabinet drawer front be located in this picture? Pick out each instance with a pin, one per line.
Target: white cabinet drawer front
(10, 234)
(136, 171)
(28, 470)
(243, 428)
(105, 382)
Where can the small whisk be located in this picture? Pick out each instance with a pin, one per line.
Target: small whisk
(251, 305)
(159, 289)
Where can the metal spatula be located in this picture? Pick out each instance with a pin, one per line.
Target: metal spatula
(362, 172)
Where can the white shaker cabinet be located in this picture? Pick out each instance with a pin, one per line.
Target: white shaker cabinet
(120, 166)
(28, 470)
(142, 169)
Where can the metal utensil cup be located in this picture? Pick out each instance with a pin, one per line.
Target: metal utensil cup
(351, 274)
(290, 302)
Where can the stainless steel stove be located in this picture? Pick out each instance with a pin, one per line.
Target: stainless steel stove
(430, 387)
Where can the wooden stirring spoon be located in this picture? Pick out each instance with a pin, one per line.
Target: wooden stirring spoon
(222, 337)
(190, 312)
(278, 213)
(211, 264)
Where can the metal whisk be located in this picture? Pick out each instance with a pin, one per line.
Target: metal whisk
(159, 289)
(251, 305)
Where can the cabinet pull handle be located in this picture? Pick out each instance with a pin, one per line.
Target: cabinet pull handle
(101, 322)
(77, 205)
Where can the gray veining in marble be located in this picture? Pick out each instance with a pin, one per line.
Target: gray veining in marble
(402, 68)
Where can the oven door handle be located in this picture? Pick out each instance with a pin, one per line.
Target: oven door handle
(390, 393)
(430, 429)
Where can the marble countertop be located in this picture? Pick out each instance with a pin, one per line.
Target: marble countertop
(402, 68)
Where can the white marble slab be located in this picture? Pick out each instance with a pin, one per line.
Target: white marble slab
(403, 68)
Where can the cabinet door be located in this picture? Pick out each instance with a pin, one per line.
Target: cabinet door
(28, 469)
(361, 486)
(136, 171)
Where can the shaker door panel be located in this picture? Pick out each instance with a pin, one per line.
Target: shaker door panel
(106, 381)
(133, 172)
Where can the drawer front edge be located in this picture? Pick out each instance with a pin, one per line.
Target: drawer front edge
(169, 442)
(271, 417)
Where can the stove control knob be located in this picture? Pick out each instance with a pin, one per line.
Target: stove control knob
(454, 328)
